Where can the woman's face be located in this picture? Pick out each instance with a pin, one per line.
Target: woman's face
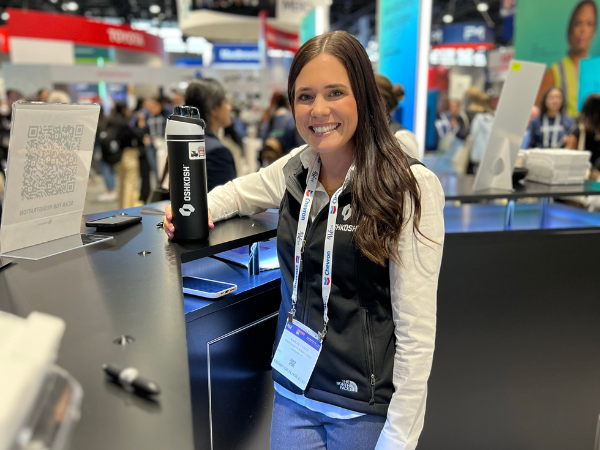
(584, 27)
(324, 105)
(554, 101)
(221, 115)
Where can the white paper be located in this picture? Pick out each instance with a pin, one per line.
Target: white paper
(49, 159)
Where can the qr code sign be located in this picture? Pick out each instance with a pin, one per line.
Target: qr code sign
(51, 160)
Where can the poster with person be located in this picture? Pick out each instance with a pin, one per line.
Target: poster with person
(559, 34)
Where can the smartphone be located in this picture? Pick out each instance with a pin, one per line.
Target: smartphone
(202, 287)
(112, 223)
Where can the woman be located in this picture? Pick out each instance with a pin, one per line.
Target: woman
(376, 250)
(208, 96)
(564, 74)
(549, 130)
(587, 134)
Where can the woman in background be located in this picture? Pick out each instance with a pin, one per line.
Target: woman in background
(549, 130)
(392, 95)
(587, 133)
(209, 97)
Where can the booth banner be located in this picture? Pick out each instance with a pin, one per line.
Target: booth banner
(398, 49)
(282, 40)
(4, 47)
(235, 54)
(63, 27)
(464, 35)
(542, 30)
(50, 153)
(293, 11)
(569, 34)
(589, 78)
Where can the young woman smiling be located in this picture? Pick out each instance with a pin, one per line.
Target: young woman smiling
(359, 240)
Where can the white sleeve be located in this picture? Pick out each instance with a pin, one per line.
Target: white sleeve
(409, 143)
(414, 291)
(251, 193)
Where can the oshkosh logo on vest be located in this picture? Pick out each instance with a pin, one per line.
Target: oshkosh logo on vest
(345, 227)
(347, 385)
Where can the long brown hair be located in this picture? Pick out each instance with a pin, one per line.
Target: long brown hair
(382, 177)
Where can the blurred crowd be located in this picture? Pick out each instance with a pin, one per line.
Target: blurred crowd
(463, 128)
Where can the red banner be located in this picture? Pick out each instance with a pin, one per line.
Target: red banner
(63, 27)
(282, 40)
(4, 40)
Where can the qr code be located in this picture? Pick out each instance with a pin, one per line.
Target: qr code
(51, 160)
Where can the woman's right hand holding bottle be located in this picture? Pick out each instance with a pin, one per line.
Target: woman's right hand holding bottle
(168, 222)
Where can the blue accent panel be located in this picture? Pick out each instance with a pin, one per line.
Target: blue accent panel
(398, 49)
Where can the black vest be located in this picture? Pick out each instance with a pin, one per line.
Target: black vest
(355, 368)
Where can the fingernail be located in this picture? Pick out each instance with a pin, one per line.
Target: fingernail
(211, 224)
(169, 216)
(170, 228)
(170, 235)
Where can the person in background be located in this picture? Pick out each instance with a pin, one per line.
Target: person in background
(42, 95)
(208, 96)
(391, 96)
(124, 142)
(550, 129)
(178, 99)
(481, 128)
(564, 74)
(586, 135)
(281, 126)
(107, 161)
(376, 313)
(535, 112)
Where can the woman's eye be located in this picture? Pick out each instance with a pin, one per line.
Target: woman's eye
(303, 97)
(336, 93)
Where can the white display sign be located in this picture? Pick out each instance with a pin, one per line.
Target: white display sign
(49, 157)
(293, 11)
(512, 115)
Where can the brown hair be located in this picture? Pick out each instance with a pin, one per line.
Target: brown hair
(392, 94)
(544, 108)
(383, 183)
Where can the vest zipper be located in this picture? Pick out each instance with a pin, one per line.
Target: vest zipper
(309, 230)
(370, 353)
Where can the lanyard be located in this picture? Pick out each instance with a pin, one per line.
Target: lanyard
(553, 131)
(311, 186)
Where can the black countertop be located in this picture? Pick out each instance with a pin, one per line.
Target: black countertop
(107, 290)
(461, 188)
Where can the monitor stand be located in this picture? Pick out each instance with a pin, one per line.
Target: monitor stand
(57, 246)
(497, 175)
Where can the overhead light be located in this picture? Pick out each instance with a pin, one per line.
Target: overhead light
(72, 6)
(4, 16)
(154, 9)
(448, 18)
(482, 7)
(53, 1)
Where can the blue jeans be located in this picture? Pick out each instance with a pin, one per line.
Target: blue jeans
(108, 172)
(297, 427)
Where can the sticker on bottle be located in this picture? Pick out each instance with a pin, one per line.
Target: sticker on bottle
(197, 150)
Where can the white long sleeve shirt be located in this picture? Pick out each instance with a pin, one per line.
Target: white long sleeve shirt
(413, 285)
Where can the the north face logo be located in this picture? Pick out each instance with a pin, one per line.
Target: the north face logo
(347, 385)
(186, 210)
(346, 212)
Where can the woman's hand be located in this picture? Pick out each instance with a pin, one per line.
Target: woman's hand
(168, 221)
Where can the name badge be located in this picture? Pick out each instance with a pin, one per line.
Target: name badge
(297, 353)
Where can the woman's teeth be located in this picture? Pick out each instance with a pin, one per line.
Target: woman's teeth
(325, 129)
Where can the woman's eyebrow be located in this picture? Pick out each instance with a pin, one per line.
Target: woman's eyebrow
(329, 86)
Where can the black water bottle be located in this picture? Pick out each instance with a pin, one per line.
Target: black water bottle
(187, 173)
